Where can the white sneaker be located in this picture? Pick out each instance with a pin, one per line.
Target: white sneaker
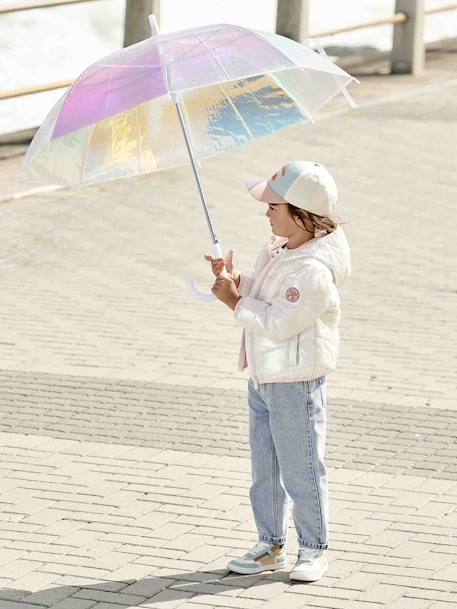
(310, 566)
(264, 556)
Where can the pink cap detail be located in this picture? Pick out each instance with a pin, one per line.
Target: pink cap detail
(262, 191)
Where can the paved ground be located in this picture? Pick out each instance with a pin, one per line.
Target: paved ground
(123, 430)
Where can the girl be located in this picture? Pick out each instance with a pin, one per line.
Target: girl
(289, 309)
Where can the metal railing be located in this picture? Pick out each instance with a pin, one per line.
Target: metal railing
(33, 5)
(395, 18)
(407, 52)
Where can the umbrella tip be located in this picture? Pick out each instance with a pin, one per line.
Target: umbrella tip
(155, 30)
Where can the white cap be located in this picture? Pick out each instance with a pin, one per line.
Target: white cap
(305, 184)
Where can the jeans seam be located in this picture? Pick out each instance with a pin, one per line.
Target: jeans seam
(311, 447)
(274, 469)
(322, 397)
(273, 487)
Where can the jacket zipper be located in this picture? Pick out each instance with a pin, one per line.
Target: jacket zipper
(297, 351)
(253, 367)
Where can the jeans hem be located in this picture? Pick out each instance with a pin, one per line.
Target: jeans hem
(315, 546)
(270, 539)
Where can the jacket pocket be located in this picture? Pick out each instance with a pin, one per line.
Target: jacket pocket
(297, 350)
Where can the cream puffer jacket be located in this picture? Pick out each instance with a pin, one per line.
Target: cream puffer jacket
(290, 309)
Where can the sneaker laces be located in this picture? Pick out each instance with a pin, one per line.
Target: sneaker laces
(259, 546)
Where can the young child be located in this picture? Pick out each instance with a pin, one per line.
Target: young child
(289, 309)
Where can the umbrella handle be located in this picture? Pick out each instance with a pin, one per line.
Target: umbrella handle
(194, 291)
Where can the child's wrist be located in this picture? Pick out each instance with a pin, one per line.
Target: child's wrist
(234, 302)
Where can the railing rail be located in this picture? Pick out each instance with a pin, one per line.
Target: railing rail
(34, 5)
(395, 18)
(60, 84)
(399, 18)
(441, 9)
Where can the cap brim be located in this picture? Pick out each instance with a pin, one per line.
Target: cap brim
(261, 191)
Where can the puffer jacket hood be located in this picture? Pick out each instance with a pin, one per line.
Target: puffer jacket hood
(331, 249)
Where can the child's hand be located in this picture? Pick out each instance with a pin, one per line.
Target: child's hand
(217, 265)
(224, 288)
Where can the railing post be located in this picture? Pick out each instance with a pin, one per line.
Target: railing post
(136, 27)
(408, 49)
(292, 19)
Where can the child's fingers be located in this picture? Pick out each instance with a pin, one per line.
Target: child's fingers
(209, 257)
(217, 264)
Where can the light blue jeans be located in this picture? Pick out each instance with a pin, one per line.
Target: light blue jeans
(287, 430)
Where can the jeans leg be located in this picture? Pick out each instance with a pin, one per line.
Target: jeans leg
(298, 423)
(269, 500)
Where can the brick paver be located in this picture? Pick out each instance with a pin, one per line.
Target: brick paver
(124, 454)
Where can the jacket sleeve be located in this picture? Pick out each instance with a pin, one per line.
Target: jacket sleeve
(301, 300)
(245, 285)
(247, 280)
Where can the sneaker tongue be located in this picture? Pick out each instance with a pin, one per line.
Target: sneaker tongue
(261, 545)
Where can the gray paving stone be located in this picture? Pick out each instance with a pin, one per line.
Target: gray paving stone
(50, 595)
(147, 399)
(119, 598)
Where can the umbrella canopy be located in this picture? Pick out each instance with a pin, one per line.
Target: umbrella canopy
(233, 84)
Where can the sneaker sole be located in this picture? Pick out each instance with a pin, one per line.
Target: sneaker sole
(307, 578)
(247, 570)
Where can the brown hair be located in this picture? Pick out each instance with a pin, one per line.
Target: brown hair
(313, 222)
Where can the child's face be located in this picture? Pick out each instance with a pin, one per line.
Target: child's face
(281, 220)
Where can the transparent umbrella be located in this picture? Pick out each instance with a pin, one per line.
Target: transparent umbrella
(177, 97)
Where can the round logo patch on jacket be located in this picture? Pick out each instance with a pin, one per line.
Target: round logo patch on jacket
(292, 294)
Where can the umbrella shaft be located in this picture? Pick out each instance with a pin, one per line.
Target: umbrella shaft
(194, 168)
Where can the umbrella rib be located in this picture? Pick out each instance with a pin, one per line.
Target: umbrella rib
(342, 88)
(219, 86)
(243, 122)
(294, 63)
(214, 57)
(280, 51)
(138, 150)
(86, 147)
(296, 102)
(164, 65)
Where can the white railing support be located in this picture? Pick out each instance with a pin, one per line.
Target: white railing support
(292, 19)
(408, 48)
(136, 25)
